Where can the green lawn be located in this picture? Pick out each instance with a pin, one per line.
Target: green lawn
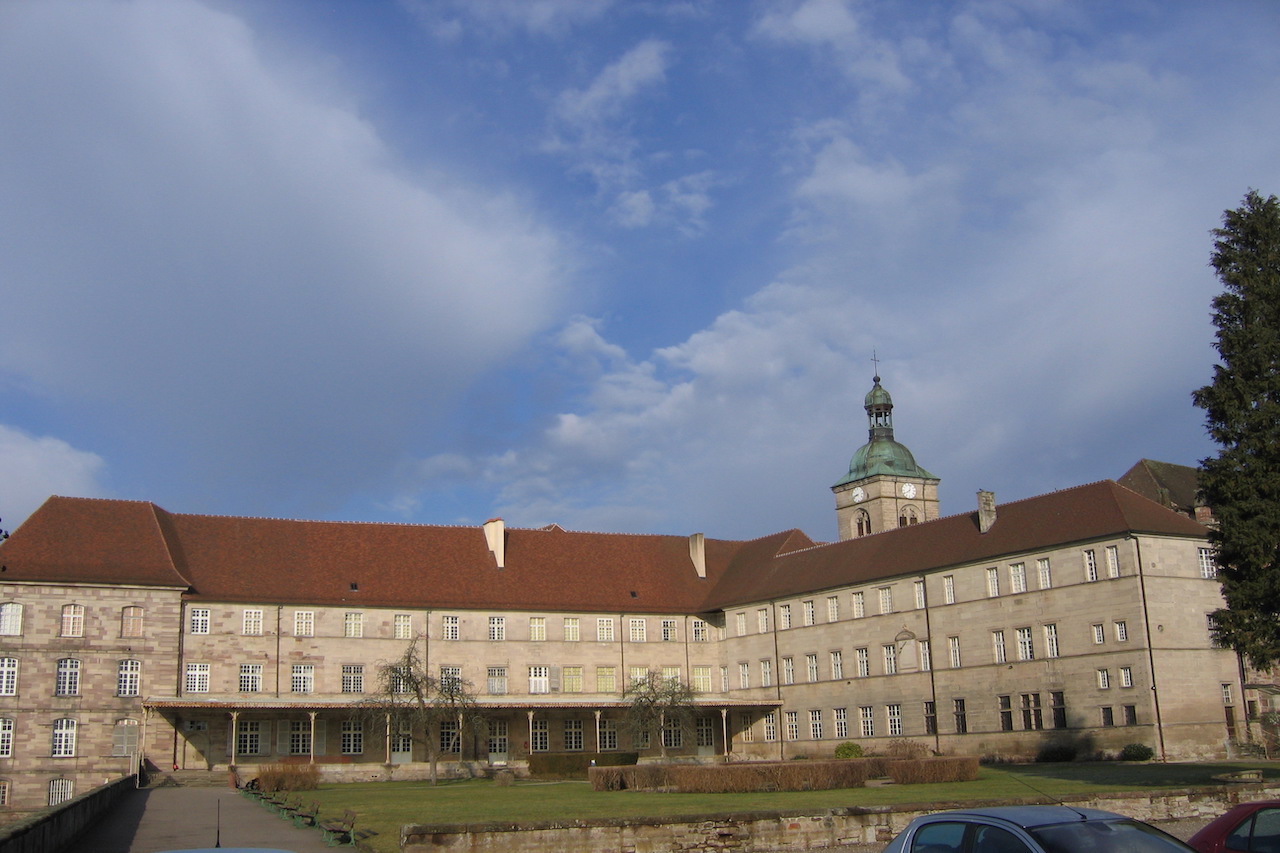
(385, 806)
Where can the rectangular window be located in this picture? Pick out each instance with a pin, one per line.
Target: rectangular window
(353, 625)
(197, 680)
(833, 608)
(1032, 716)
(1018, 578)
(1113, 561)
(867, 720)
(766, 672)
(451, 629)
(859, 605)
(841, 717)
(1208, 564)
(540, 735)
(1126, 676)
(124, 737)
(4, 793)
(724, 678)
(573, 735)
(811, 667)
(793, 724)
(537, 629)
(1226, 693)
(1099, 634)
(1130, 715)
(352, 678)
(450, 738)
(997, 646)
(784, 616)
(304, 623)
(60, 790)
(73, 620)
(497, 680)
(572, 629)
(68, 680)
(701, 679)
(744, 726)
(701, 631)
(1051, 640)
(352, 737)
(740, 621)
(539, 679)
(250, 678)
(890, 659)
(815, 724)
(604, 630)
(670, 632)
(199, 623)
(497, 628)
(1090, 565)
(961, 716)
(638, 630)
(762, 620)
(1058, 706)
(251, 624)
(948, 589)
(930, 717)
(1104, 679)
(807, 608)
(671, 674)
(837, 664)
(64, 738)
(993, 582)
(6, 738)
(863, 657)
(771, 726)
(606, 679)
(1004, 704)
(953, 649)
(1046, 573)
(1108, 716)
(302, 678)
(788, 671)
(608, 735)
(402, 626)
(926, 656)
(918, 588)
(1122, 632)
(1026, 645)
(129, 678)
(571, 679)
(131, 622)
(451, 679)
(886, 599)
(893, 713)
(744, 675)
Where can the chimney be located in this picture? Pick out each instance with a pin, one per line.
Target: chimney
(698, 553)
(495, 536)
(986, 510)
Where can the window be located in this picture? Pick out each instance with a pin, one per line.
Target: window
(701, 634)
(815, 724)
(1122, 632)
(451, 628)
(68, 679)
(608, 735)
(304, 623)
(606, 679)
(724, 678)
(671, 674)
(1005, 706)
(124, 737)
(793, 724)
(1051, 640)
(1130, 715)
(539, 679)
(788, 671)
(993, 582)
(64, 738)
(250, 678)
(1032, 716)
(1226, 693)
(862, 519)
(303, 678)
(540, 735)
(702, 679)
(497, 628)
(1018, 578)
(1026, 645)
(1208, 564)
(604, 630)
(450, 740)
(744, 726)
(771, 726)
(1104, 679)
(669, 631)
(353, 624)
(352, 678)
(6, 738)
(841, 717)
(672, 737)
(571, 679)
(637, 675)
(930, 717)
(997, 646)
(1058, 707)
(537, 629)
(833, 608)
(886, 599)
(573, 735)
(961, 716)
(740, 621)
(926, 656)
(60, 790)
(252, 622)
(894, 715)
(890, 659)
(4, 793)
(766, 672)
(1099, 635)
(918, 588)
(1113, 561)
(807, 608)
(864, 662)
(811, 667)
(451, 679)
(73, 620)
(299, 737)
(8, 676)
(10, 619)
(762, 620)
(949, 589)
(1046, 573)
(867, 720)
(1108, 716)
(1126, 676)
(837, 664)
(129, 678)
(953, 648)
(402, 626)
(744, 674)
(859, 605)
(572, 629)
(637, 630)
(1090, 565)
(497, 680)
(784, 616)
(199, 620)
(352, 737)
(402, 680)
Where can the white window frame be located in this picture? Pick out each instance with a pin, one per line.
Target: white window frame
(948, 589)
(953, 650)
(784, 617)
(918, 588)
(886, 599)
(402, 626)
(353, 624)
(1026, 644)
(998, 652)
(302, 678)
(1104, 679)
(811, 667)
(638, 631)
(67, 682)
(1113, 561)
(10, 619)
(1051, 649)
(352, 678)
(788, 670)
(6, 737)
(863, 657)
(766, 672)
(497, 629)
(200, 620)
(250, 679)
(129, 678)
(604, 629)
(859, 602)
(539, 679)
(833, 608)
(1090, 565)
(993, 582)
(450, 627)
(496, 680)
(890, 658)
(867, 720)
(837, 664)
(64, 738)
(1045, 570)
(808, 616)
(537, 629)
(72, 620)
(1017, 577)
(1122, 631)
(572, 629)
(762, 620)
(1208, 564)
(815, 724)
(893, 715)
(251, 622)
(304, 623)
(1126, 676)
(1099, 633)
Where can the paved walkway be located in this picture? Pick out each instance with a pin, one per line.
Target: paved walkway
(153, 819)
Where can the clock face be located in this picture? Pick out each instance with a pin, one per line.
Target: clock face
(908, 490)
(859, 495)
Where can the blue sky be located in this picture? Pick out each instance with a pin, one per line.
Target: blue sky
(616, 265)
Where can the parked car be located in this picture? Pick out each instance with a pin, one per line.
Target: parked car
(1247, 828)
(1032, 829)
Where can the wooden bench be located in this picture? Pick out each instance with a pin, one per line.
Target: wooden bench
(340, 831)
(289, 806)
(307, 817)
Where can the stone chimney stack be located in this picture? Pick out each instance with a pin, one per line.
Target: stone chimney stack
(986, 510)
(495, 536)
(698, 553)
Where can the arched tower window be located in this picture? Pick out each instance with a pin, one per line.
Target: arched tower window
(907, 515)
(862, 522)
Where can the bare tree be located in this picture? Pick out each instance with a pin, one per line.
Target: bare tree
(657, 703)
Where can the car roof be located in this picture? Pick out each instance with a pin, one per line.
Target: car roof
(1032, 816)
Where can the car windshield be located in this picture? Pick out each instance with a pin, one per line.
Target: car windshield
(1106, 836)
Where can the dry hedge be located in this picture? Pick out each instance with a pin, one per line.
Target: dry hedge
(288, 777)
(919, 770)
(780, 776)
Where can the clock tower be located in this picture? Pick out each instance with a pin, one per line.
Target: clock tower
(884, 488)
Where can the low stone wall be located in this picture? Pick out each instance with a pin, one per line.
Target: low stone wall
(56, 827)
(766, 833)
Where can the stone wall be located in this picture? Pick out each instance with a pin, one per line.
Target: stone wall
(54, 828)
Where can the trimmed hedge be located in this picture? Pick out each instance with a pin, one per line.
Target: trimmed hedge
(288, 777)
(914, 771)
(574, 765)
(750, 777)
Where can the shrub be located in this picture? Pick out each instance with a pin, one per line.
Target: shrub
(903, 748)
(288, 777)
(573, 765)
(914, 771)
(732, 778)
(1137, 752)
(849, 750)
(1056, 753)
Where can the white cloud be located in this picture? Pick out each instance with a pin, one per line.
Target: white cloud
(34, 467)
(835, 27)
(449, 19)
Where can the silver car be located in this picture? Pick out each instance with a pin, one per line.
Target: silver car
(1032, 829)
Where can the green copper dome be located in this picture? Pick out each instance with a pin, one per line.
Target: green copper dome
(881, 454)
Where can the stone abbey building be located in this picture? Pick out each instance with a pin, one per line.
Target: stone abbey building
(129, 633)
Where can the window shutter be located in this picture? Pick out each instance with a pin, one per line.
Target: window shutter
(554, 678)
(282, 737)
(319, 741)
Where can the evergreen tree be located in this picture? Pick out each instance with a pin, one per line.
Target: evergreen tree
(1242, 407)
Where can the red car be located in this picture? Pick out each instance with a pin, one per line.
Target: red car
(1246, 828)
